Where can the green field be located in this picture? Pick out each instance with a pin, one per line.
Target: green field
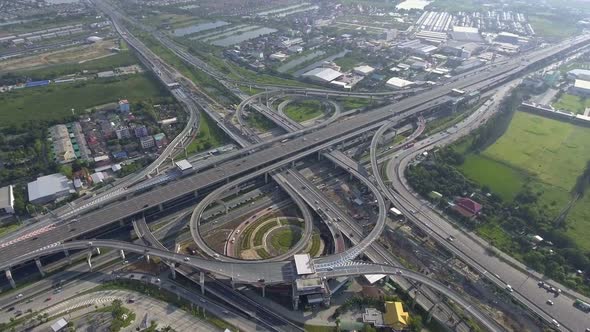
(259, 121)
(351, 103)
(348, 61)
(209, 136)
(55, 102)
(302, 111)
(284, 239)
(552, 27)
(316, 242)
(543, 154)
(572, 103)
(262, 230)
(556, 152)
(107, 63)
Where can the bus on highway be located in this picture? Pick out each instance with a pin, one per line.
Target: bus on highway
(585, 307)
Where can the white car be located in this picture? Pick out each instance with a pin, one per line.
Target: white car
(555, 323)
(186, 259)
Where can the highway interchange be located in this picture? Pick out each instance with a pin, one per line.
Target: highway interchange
(264, 157)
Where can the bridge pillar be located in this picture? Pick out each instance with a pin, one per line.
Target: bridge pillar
(319, 156)
(173, 270)
(10, 278)
(67, 254)
(263, 290)
(39, 266)
(97, 251)
(196, 194)
(202, 281)
(233, 284)
(293, 163)
(295, 297)
(122, 254)
(147, 258)
(89, 261)
(416, 293)
(431, 311)
(265, 177)
(161, 207)
(177, 247)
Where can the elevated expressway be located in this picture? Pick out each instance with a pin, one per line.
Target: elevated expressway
(275, 155)
(265, 272)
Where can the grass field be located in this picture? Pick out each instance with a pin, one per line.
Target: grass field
(259, 121)
(55, 102)
(209, 136)
(315, 245)
(354, 103)
(72, 55)
(547, 156)
(502, 179)
(262, 253)
(572, 103)
(106, 63)
(348, 61)
(552, 27)
(262, 230)
(285, 238)
(302, 111)
(554, 151)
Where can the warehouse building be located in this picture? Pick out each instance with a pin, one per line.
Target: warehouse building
(363, 70)
(7, 200)
(582, 74)
(323, 75)
(581, 88)
(398, 83)
(467, 34)
(49, 188)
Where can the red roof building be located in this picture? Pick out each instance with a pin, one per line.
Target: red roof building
(467, 207)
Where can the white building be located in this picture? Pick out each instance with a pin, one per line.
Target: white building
(323, 75)
(7, 199)
(582, 74)
(49, 188)
(399, 83)
(363, 70)
(581, 88)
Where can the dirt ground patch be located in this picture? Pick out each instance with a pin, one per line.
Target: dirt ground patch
(76, 54)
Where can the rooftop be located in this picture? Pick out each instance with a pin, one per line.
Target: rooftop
(183, 165)
(48, 185)
(303, 264)
(395, 316)
(323, 74)
(6, 197)
(581, 84)
(400, 83)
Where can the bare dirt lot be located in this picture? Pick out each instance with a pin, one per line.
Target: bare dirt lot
(76, 54)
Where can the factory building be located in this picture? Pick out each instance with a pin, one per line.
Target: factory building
(581, 88)
(49, 188)
(466, 34)
(323, 75)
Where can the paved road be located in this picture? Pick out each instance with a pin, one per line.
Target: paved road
(468, 246)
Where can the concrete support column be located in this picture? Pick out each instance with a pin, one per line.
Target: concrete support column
(265, 177)
(177, 248)
(39, 266)
(233, 284)
(97, 250)
(293, 163)
(67, 254)
(202, 281)
(10, 278)
(161, 207)
(173, 270)
(122, 254)
(431, 311)
(88, 260)
(295, 297)
(147, 258)
(263, 290)
(319, 156)
(196, 194)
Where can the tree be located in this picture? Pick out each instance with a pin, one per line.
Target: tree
(416, 323)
